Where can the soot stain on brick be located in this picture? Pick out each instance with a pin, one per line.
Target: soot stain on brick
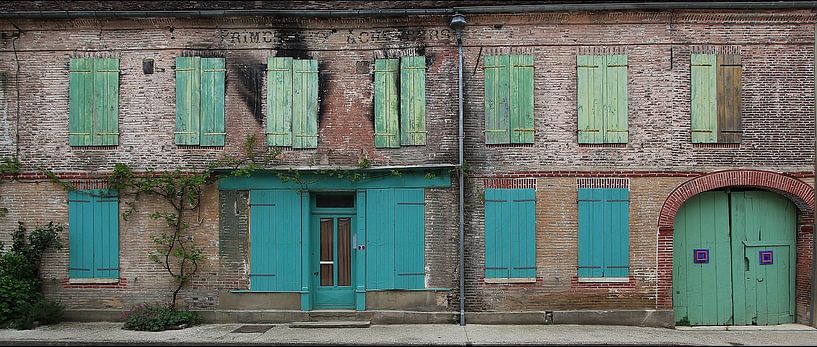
(291, 43)
(323, 90)
(250, 73)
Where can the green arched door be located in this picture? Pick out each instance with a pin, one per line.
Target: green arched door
(734, 259)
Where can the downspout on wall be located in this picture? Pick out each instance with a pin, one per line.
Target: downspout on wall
(458, 23)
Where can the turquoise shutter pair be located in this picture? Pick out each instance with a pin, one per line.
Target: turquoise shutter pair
(275, 240)
(604, 230)
(602, 98)
(508, 99)
(395, 239)
(292, 102)
(409, 129)
(510, 233)
(200, 101)
(93, 232)
(93, 118)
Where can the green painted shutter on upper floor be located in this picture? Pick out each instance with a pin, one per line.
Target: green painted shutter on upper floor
(603, 232)
(94, 102)
(188, 100)
(275, 236)
(616, 127)
(521, 98)
(386, 122)
(510, 233)
(497, 99)
(279, 101)
(304, 103)
(93, 228)
(395, 238)
(412, 101)
(589, 71)
(212, 102)
(704, 112)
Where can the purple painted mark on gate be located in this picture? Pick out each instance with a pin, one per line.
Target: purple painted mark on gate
(701, 256)
(766, 257)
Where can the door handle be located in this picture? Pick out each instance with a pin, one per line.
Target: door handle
(760, 280)
(314, 274)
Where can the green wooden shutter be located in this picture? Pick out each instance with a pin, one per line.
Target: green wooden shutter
(279, 101)
(497, 257)
(304, 103)
(412, 101)
(704, 112)
(80, 235)
(106, 233)
(395, 239)
(379, 238)
(81, 102)
(510, 233)
(386, 123)
(409, 239)
(275, 236)
(521, 96)
(188, 100)
(603, 232)
(615, 99)
(590, 72)
(617, 232)
(497, 99)
(212, 102)
(106, 102)
(729, 104)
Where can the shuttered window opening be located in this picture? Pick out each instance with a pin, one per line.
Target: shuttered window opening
(200, 101)
(602, 98)
(93, 232)
(603, 232)
(509, 99)
(510, 233)
(399, 83)
(292, 102)
(93, 102)
(395, 239)
(716, 90)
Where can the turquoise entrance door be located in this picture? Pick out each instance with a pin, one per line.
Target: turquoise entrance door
(332, 268)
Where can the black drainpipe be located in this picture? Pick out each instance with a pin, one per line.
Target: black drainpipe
(458, 23)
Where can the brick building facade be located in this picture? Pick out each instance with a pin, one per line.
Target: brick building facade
(658, 166)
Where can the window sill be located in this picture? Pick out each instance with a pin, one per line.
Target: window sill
(93, 281)
(604, 279)
(716, 145)
(602, 145)
(509, 145)
(94, 148)
(509, 280)
(215, 148)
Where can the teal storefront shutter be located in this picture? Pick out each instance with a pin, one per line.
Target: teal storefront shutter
(510, 233)
(275, 236)
(106, 234)
(395, 239)
(80, 235)
(409, 236)
(603, 232)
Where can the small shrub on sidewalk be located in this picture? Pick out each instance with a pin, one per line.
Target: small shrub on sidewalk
(159, 317)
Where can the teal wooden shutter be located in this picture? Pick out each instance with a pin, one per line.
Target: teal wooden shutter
(279, 101)
(81, 102)
(617, 236)
(212, 102)
(106, 102)
(510, 233)
(589, 71)
(188, 105)
(409, 239)
(80, 235)
(521, 96)
(395, 239)
(704, 112)
(106, 234)
(615, 99)
(275, 236)
(412, 101)
(603, 232)
(305, 103)
(386, 123)
(497, 99)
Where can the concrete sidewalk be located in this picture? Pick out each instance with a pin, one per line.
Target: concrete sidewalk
(415, 334)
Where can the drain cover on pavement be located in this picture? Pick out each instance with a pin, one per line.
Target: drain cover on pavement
(254, 328)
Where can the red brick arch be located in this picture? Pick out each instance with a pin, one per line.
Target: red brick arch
(796, 190)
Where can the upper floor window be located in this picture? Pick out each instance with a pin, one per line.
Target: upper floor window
(508, 99)
(399, 83)
(716, 89)
(602, 98)
(93, 118)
